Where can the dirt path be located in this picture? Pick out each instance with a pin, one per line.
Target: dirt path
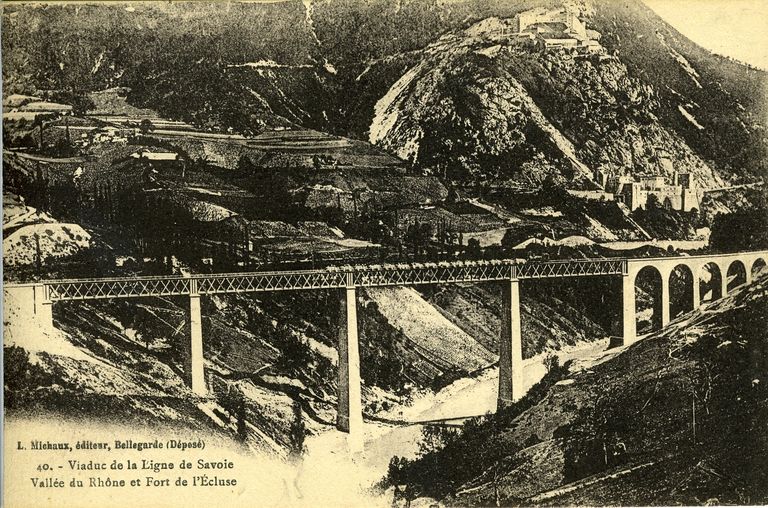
(40, 158)
(544, 496)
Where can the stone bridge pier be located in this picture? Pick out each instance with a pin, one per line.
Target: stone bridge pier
(510, 346)
(195, 367)
(32, 300)
(349, 416)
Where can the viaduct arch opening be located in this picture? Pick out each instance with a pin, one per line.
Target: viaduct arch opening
(710, 282)
(648, 301)
(758, 267)
(680, 290)
(736, 275)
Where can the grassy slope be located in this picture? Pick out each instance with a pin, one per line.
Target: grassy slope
(548, 322)
(622, 431)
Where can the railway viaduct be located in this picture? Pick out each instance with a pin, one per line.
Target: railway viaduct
(710, 272)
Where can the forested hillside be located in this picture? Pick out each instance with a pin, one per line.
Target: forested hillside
(326, 64)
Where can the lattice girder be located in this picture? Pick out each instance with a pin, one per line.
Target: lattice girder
(367, 276)
(116, 288)
(572, 268)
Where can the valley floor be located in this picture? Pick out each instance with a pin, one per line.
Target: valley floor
(464, 398)
(326, 474)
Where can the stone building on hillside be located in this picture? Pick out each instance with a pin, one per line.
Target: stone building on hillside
(556, 29)
(529, 19)
(681, 194)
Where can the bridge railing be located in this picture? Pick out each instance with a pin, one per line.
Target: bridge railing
(707, 257)
(269, 281)
(431, 273)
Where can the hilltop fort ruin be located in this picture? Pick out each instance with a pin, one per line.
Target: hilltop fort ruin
(549, 29)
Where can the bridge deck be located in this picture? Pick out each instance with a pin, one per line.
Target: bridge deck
(348, 276)
(330, 278)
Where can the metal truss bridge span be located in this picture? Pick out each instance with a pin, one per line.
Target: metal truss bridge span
(330, 278)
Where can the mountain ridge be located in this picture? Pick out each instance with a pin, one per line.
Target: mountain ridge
(321, 82)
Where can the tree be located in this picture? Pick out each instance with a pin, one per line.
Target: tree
(273, 189)
(553, 193)
(146, 126)
(418, 236)
(551, 362)
(395, 468)
(652, 203)
(294, 352)
(77, 98)
(244, 165)
(22, 379)
(233, 401)
(498, 475)
(473, 248)
(740, 230)
(436, 437)
(384, 364)
(594, 441)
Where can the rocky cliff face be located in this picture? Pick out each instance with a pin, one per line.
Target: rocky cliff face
(480, 104)
(651, 100)
(458, 112)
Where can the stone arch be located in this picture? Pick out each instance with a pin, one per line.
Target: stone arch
(710, 282)
(681, 280)
(758, 266)
(736, 275)
(648, 301)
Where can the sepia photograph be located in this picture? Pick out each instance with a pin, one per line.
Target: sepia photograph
(384, 253)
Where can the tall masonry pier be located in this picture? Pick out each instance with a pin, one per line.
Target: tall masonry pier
(195, 357)
(510, 345)
(349, 416)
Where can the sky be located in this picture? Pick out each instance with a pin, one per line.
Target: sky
(735, 28)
